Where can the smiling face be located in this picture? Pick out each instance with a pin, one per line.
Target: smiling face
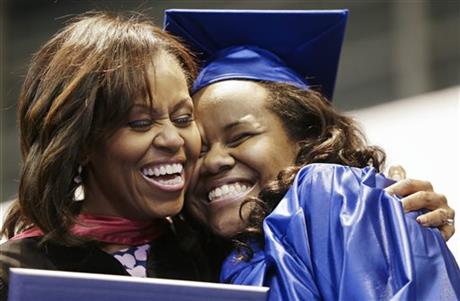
(142, 169)
(244, 147)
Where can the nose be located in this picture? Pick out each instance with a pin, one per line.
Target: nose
(168, 139)
(217, 159)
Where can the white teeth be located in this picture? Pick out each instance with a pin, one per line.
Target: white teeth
(174, 181)
(227, 190)
(161, 170)
(237, 187)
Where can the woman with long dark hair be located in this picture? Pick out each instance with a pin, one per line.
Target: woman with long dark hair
(108, 143)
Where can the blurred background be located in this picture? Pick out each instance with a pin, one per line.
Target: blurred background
(399, 75)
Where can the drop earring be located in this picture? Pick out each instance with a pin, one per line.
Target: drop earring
(79, 193)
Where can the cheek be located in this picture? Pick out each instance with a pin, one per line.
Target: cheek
(127, 148)
(264, 157)
(192, 142)
(195, 206)
(281, 158)
(195, 177)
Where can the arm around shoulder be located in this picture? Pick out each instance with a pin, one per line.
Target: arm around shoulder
(358, 243)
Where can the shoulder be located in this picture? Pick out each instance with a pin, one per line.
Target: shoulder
(315, 171)
(14, 251)
(25, 253)
(326, 193)
(330, 179)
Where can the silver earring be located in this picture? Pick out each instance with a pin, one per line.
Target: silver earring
(79, 193)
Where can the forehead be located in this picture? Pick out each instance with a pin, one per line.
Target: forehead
(227, 101)
(165, 81)
(165, 63)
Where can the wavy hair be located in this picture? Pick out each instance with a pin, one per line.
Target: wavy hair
(79, 88)
(323, 135)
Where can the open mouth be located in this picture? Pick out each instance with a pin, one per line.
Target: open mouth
(229, 191)
(167, 177)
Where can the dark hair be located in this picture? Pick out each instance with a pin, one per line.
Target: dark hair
(323, 134)
(79, 88)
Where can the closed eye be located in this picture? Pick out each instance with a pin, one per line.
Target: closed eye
(239, 138)
(184, 120)
(141, 124)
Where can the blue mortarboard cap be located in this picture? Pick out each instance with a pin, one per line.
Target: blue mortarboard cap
(297, 47)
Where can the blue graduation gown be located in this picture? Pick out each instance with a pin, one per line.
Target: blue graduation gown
(337, 235)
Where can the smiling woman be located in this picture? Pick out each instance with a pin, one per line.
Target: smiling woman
(293, 180)
(253, 133)
(108, 143)
(141, 170)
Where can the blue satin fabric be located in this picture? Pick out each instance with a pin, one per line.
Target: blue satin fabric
(337, 235)
(247, 62)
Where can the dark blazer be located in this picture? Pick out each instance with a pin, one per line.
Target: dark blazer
(169, 257)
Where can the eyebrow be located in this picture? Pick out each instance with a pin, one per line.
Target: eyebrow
(152, 109)
(144, 107)
(243, 120)
(183, 102)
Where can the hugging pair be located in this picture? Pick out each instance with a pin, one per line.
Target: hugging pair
(113, 106)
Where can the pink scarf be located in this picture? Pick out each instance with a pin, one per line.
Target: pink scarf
(110, 229)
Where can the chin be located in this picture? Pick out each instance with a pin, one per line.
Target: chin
(226, 228)
(168, 210)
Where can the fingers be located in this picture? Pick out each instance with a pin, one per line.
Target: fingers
(397, 173)
(416, 195)
(435, 218)
(424, 200)
(447, 231)
(440, 218)
(406, 187)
